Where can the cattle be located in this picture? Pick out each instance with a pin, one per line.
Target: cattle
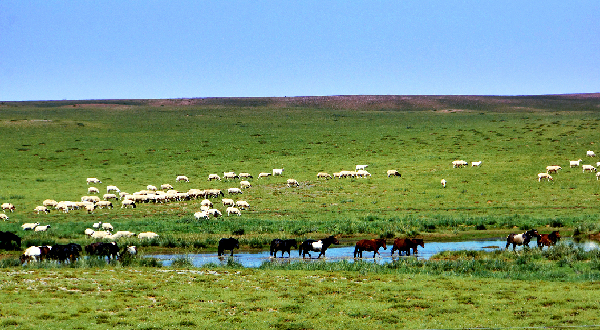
(406, 244)
(227, 244)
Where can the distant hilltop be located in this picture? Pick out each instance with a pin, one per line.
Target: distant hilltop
(443, 103)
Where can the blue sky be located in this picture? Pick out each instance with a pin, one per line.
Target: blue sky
(55, 50)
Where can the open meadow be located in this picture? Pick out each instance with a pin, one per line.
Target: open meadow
(48, 149)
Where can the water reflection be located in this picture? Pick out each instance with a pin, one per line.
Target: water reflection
(256, 258)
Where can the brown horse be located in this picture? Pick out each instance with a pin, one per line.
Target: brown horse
(548, 239)
(405, 244)
(369, 245)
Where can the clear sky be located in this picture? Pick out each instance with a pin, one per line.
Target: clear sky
(115, 49)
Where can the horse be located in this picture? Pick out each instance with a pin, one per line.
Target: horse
(61, 253)
(228, 244)
(369, 245)
(9, 241)
(316, 246)
(548, 239)
(101, 249)
(521, 239)
(405, 244)
(283, 245)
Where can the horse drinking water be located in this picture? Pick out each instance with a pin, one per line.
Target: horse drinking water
(316, 246)
(369, 245)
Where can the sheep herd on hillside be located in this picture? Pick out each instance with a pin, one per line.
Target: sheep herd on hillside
(572, 163)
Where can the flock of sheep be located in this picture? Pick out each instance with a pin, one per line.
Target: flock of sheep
(573, 163)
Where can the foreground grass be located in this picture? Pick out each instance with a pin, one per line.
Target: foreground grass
(150, 298)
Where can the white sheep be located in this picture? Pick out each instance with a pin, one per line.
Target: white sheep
(97, 225)
(93, 199)
(362, 174)
(361, 167)
(204, 207)
(107, 226)
(242, 205)
(206, 202)
(123, 233)
(263, 175)
(127, 202)
(546, 176)
(201, 215)
(325, 175)
(89, 231)
(112, 188)
(459, 163)
(233, 210)
(214, 212)
(93, 190)
(42, 228)
(101, 234)
(31, 253)
(148, 235)
(590, 153)
(245, 175)
(213, 176)
(476, 163)
(151, 187)
(62, 206)
(42, 208)
(49, 203)
(588, 168)
(575, 163)
(553, 168)
(245, 184)
(103, 204)
(3, 216)
(234, 190)
(292, 182)
(109, 196)
(29, 225)
(166, 186)
(93, 180)
(90, 208)
(393, 173)
(277, 171)
(443, 183)
(230, 175)
(8, 206)
(228, 202)
(182, 178)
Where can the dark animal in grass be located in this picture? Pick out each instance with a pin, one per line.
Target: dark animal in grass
(369, 245)
(316, 246)
(283, 245)
(101, 249)
(61, 253)
(9, 241)
(548, 239)
(228, 244)
(521, 239)
(406, 244)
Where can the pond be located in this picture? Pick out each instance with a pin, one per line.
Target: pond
(256, 258)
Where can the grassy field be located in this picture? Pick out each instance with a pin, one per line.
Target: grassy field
(48, 149)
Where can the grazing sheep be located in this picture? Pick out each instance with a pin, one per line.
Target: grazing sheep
(89, 231)
(93, 180)
(62, 206)
(242, 204)
(123, 233)
(459, 163)
(234, 190)
(3, 216)
(277, 171)
(93, 190)
(230, 175)
(107, 226)
(206, 202)
(263, 175)
(590, 153)
(575, 163)
(127, 202)
(101, 234)
(245, 184)
(90, 208)
(41, 228)
(39, 209)
(97, 225)
(151, 187)
(246, 176)
(233, 210)
(553, 168)
(228, 202)
(443, 183)
(201, 215)
(8, 206)
(214, 212)
(544, 176)
(103, 204)
(112, 188)
(29, 225)
(292, 182)
(109, 196)
(325, 175)
(204, 207)
(49, 203)
(214, 177)
(598, 176)
(361, 167)
(182, 178)
(337, 175)
(393, 173)
(476, 163)
(166, 186)
(148, 235)
(588, 168)
(93, 199)
(362, 174)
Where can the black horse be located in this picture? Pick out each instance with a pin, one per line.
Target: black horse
(9, 241)
(316, 246)
(283, 245)
(61, 253)
(228, 244)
